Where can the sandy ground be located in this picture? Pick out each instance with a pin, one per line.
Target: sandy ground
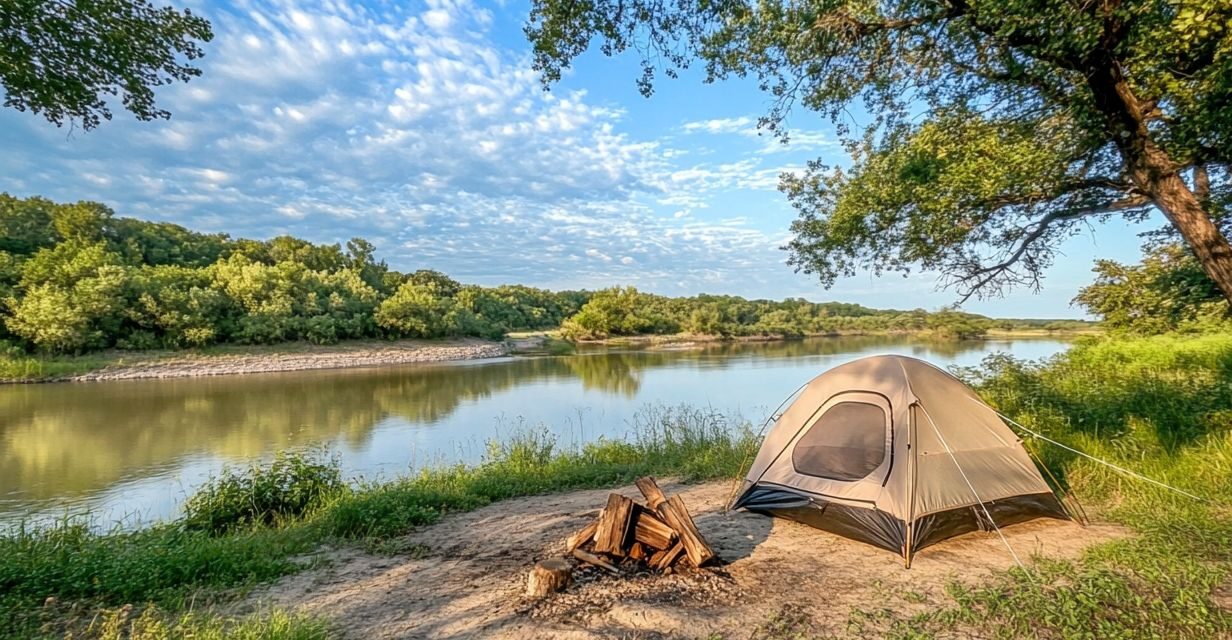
(464, 577)
(267, 360)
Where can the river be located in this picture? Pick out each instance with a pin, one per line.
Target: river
(130, 451)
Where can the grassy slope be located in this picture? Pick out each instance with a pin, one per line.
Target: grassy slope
(1161, 405)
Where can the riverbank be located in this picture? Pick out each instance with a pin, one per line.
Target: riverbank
(467, 579)
(1156, 564)
(301, 356)
(237, 360)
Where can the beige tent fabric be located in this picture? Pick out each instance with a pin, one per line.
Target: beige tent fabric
(939, 431)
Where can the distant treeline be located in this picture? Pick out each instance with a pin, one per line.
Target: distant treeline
(75, 278)
(628, 312)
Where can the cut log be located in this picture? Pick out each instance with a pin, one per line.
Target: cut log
(637, 551)
(670, 556)
(651, 530)
(655, 559)
(651, 491)
(675, 514)
(615, 526)
(548, 576)
(580, 538)
(590, 558)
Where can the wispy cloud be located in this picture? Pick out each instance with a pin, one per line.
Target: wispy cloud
(410, 126)
(721, 125)
(746, 126)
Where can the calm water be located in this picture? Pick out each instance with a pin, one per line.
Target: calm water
(132, 450)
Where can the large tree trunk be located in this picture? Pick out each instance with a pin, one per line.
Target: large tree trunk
(1182, 208)
(1156, 174)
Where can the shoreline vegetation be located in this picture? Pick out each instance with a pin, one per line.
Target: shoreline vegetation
(305, 356)
(1157, 405)
(81, 289)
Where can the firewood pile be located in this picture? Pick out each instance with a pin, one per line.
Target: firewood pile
(658, 535)
(629, 537)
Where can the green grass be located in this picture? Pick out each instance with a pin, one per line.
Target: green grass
(21, 367)
(152, 623)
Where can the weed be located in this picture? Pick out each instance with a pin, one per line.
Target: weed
(290, 486)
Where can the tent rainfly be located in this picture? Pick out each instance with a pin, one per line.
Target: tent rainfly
(895, 452)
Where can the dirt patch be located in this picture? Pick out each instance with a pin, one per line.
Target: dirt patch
(301, 357)
(469, 583)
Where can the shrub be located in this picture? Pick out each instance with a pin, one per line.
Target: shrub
(293, 484)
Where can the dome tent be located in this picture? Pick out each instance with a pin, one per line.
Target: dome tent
(895, 452)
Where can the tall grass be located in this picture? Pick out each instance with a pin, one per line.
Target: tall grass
(152, 623)
(1162, 405)
(693, 443)
(290, 486)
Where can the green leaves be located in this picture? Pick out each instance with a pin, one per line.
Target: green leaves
(63, 60)
(991, 126)
(980, 200)
(1166, 292)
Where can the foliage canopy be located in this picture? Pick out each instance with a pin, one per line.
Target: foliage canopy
(74, 278)
(991, 129)
(63, 58)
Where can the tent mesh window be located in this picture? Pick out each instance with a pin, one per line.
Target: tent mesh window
(846, 443)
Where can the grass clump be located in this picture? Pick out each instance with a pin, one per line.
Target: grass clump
(20, 367)
(290, 486)
(165, 564)
(152, 623)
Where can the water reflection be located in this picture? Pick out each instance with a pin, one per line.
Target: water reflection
(74, 442)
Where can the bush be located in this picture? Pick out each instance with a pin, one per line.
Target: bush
(292, 485)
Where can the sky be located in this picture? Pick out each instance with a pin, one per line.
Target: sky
(422, 128)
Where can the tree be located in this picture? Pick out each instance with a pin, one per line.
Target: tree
(1166, 292)
(71, 298)
(997, 127)
(416, 311)
(62, 58)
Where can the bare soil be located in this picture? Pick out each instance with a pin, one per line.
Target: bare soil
(233, 360)
(465, 576)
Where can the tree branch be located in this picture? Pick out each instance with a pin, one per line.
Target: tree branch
(980, 278)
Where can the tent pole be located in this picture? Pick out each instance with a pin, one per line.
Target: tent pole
(910, 486)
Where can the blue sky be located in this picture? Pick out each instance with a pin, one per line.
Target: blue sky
(422, 128)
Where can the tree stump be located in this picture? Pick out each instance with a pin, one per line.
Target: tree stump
(548, 576)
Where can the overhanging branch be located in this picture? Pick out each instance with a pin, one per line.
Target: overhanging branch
(981, 277)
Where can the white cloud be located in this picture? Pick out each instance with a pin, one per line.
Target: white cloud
(746, 126)
(415, 129)
(720, 125)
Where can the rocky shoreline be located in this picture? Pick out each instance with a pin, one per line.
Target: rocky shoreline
(368, 354)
